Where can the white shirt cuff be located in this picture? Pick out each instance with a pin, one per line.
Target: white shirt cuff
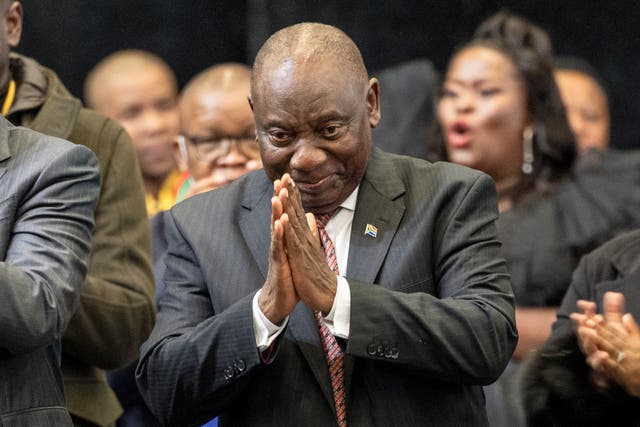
(338, 320)
(265, 331)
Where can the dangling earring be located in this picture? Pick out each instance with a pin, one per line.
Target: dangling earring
(527, 150)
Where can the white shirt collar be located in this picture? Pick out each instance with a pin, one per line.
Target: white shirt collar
(350, 202)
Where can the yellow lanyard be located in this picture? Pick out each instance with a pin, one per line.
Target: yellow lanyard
(11, 93)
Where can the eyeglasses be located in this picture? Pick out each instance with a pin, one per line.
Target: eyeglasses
(210, 149)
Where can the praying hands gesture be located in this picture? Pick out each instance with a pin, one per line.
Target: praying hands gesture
(298, 268)
(610, 343)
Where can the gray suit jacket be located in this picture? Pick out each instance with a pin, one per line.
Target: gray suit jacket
(432, 312)
(48, 191)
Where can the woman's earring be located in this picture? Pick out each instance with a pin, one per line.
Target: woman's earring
(527, 150)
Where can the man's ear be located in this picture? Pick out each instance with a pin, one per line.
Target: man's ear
(180, 154)
(13, 23)
(373, 102)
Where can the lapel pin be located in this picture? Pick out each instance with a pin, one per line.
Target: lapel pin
(371, 230)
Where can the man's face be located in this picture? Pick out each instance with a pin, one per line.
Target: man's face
(145, 104)
(314, 121)
(222, 120)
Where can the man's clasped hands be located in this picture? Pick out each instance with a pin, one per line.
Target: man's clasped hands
(298, 269)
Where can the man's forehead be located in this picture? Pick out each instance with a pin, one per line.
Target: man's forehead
(322, 74)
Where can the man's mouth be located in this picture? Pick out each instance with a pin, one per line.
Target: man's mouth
(314, 185)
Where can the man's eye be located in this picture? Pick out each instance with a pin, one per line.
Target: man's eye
(129, 113)
(166, 105)
(332, 131)
(279, 137)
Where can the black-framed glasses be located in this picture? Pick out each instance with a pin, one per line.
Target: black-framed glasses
(210, 149)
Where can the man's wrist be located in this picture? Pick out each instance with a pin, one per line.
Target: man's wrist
(268, 310)
(265, 331)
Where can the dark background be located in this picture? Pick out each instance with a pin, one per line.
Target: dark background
(71, 36)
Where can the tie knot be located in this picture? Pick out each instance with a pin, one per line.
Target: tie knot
(323, 219)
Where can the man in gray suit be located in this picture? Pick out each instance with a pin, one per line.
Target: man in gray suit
(48, 191)
(415, 312)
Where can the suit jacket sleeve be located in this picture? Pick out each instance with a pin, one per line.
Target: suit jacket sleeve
(117, 306)
(46, 260)
(181, 362)
(463, 333)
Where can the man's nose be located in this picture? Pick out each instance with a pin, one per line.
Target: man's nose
(307, 156)
(153, 122)
(233, 156)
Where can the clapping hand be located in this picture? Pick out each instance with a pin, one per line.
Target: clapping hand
(610, 342)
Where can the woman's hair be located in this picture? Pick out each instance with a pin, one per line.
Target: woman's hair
(579, 65)
(529, 49)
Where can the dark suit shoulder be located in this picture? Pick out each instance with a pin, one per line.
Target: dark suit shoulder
(22, 140)
(412, 170)
(618, 256)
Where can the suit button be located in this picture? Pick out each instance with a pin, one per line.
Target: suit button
(372, 349)
(387, 352)
(228, 373)
(239, 365)
(394, 353)
(380, 351)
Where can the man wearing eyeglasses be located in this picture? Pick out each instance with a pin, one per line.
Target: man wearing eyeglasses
(217, 144)
(217, 139)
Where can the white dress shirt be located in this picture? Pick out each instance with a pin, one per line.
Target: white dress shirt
(338, 321)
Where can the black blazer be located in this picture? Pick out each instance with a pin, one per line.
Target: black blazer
(556, 386)
(432, 314)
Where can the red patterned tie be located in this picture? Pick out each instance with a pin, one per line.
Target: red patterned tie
(332, 351)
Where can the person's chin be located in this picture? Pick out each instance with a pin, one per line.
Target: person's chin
(158, 173)
(461, 157)
(323, 202)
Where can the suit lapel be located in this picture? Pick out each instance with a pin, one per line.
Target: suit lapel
(5, 152)
(379, 204)
(255, 220)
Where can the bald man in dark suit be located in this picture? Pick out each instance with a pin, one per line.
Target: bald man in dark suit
(339, 286)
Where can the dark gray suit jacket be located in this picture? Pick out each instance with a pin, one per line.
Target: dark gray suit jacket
(48, 191)
(557, 389)
(432, 312)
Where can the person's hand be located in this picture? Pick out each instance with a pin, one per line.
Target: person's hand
(629, 366)
(278, 297)
(618, 343)
(314, 281)
(585, 322)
